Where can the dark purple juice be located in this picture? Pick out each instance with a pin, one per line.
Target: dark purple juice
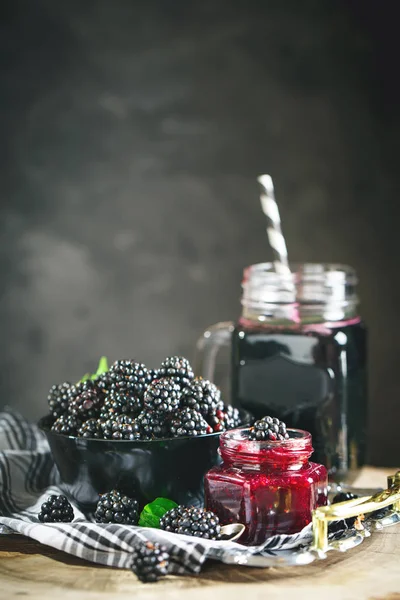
(313, 377)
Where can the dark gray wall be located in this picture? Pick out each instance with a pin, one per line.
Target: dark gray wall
(132, 135)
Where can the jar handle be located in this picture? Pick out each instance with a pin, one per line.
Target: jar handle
(208, 346)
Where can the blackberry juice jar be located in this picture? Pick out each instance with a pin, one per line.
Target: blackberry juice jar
(270, 487)
(298, 353)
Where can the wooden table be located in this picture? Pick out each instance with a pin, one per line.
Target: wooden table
(371, 571)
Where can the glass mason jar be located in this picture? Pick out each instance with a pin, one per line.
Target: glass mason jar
(298, 353)
(270, 487)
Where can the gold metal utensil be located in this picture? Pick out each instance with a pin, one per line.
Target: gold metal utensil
(353, 508)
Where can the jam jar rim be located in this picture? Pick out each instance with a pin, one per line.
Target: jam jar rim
(235, 447)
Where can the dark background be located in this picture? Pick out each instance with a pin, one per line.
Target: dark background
(132, 134)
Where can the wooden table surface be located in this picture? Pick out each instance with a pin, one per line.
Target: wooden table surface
(371, 571)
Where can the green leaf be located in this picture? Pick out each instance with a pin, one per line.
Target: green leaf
(103, 366)
(85, 377)
(152, 512)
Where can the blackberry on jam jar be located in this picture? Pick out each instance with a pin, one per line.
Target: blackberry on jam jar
(269, 486)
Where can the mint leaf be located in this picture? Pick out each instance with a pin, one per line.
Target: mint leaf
(103, 366)
(152, 512)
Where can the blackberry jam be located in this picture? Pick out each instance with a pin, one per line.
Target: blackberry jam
(298, 353)
(270, 487)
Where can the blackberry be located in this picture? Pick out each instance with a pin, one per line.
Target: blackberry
(121, 427)
(231, 417)
(224, 418)
(177, 368)
(152, 425)
(90, 429)
(170, 520)
(342, 524)
(120, 404)
(84, 400)
(56, 509)
(153, 374)
(66, 424)
(343, 497)
(268, 428)
(197, 522)
(201, 395)
(150, 561)
(114, 507)
(103, 383)
(129, 377)
(58, 399)
(162, 395)
(188, 422)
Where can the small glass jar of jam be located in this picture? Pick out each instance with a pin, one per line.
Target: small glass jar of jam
(269, 486)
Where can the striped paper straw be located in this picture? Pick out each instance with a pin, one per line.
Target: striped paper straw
(274, 231)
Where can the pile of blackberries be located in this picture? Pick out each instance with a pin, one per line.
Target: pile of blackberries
(132, 402)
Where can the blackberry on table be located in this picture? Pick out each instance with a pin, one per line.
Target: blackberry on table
(90, 429)
(58, 399)
(118, 403)
(56, 509)
(114, 507)
(201, 395)
(129, 377)
(152, 425)
(268, 428)
(162, 395)
(150, 561)
(196, 522)
(177, 368)
(188, 422)
(121, 427)
(84, 400)
(170, 520)
(66, 424)
(342, 524)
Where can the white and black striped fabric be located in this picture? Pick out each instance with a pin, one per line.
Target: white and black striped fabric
(28, 476)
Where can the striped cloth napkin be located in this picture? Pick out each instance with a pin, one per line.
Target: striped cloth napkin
(28, 476)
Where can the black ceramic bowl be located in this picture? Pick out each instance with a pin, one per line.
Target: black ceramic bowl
(172, 468)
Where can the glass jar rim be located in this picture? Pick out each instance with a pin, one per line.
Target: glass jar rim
(235, 438)
(236, 448)
(304, 272)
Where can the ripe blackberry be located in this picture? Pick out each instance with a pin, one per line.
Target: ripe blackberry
(90, 429)
(342, 524)
(197, 522)
(84, 400)
(129, 377)
(232, 417)
(162, 395)
(58, 399)
(150, 561)
(103, 383)
(170, 520)
(188, 422)
(201, 395)
(268, 428)
(224, 418)
(178, 368)
(152, 425)
(343, 497)
(121, 427)
(153, 374)
(118, 403)
(66, 424)
(56, 509)
(114, 507)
